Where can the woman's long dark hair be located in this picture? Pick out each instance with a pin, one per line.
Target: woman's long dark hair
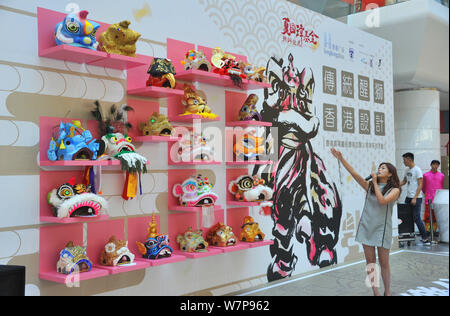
(393, 181)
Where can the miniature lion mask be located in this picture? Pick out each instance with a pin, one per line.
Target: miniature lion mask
(119, 39)
(116, 253)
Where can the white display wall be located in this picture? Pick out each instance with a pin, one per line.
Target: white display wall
(344, 72)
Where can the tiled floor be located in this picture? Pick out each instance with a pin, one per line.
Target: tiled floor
(419, 270)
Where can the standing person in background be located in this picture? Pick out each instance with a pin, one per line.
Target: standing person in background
(375, 225)
(414, 180)
(432, 180)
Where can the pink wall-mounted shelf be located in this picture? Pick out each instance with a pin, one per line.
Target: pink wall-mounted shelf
(53, 219)
(172, 152)
(48, 181)
(194, 163)
(80, 163)
(176, 108)
(219, 217)
(135, 265)
(235, 219)
(190, 117)
(143, 110)
(52, 239)
(70, 53)
(121, 62)
(137, 231)
(233, 103)
(249, 162)
(232, 135)
(248, 123)
(155, 92)
(155, 139)
(98, 235)
(47, 20)
(239, 246)
(245, 204)
(197, 255)
(190, 208)
(176, 51)
(67, 279)
(179, 223)
(176, 176)
(137, 83)
(215, 79)
(233, 174)
(46, 126)
(159, 262)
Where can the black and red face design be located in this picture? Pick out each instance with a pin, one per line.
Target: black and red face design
(291, 89)
(75, 200)
(306, 204)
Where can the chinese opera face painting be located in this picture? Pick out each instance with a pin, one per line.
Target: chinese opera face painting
(306, 204)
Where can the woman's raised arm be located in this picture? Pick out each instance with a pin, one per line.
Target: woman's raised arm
(361, 181)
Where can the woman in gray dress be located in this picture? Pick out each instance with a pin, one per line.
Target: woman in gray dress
(375, 225)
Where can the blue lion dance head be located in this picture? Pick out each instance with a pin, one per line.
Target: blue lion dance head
(76, 30)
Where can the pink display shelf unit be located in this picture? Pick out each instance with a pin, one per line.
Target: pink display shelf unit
(233, 103)
(178, 224)
(190, 209)
(249, 162)
(97, 237)
(143, 110)
(193, 163)
(137, 83)
(235, 218)
(79, 163)
(240, 203)
(219, 217)
(239, 246)
(218, 80)
(159, 262)
(178, 176)
(135, 265)
(52, 239)
(48, 181)
(197, 255)
(190, 117)
(47, 20)
(172, 153)
(154, 92)
(248, 123)
(233, 174)
(137, 231)
(155, 139)
(232, 134)
(48, 124)
(176, 51)
(176, 109)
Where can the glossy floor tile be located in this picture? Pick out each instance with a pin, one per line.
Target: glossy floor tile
(417, 270)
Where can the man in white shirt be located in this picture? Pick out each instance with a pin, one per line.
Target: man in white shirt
(414, 179)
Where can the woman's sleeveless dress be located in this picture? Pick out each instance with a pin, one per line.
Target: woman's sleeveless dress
(375, 225)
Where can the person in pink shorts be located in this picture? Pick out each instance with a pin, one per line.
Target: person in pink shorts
(432, 180)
